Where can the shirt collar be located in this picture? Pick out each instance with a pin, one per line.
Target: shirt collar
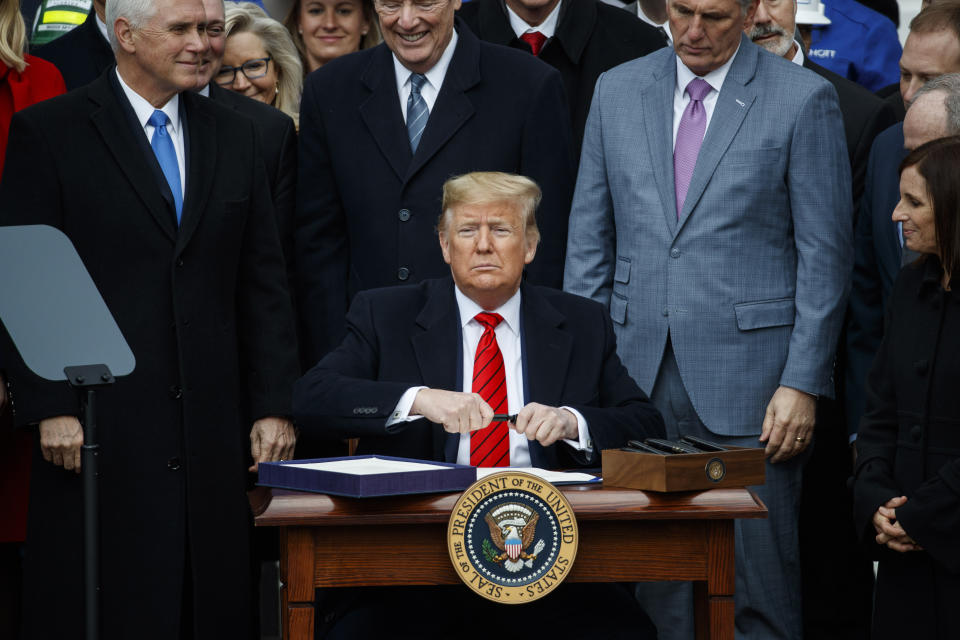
(664, 25)
(548, 27)
(798, 56)
(205, 92)
(144, 109)
(715, 78)
(509, 310)
(102, 26)
(436, 73)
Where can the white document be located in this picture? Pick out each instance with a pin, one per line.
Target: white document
(370, 466)
(552, 477)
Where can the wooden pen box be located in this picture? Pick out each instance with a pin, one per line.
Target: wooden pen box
(736, 467)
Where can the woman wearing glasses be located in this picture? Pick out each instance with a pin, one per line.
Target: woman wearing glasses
(260, 60)
(324, 30)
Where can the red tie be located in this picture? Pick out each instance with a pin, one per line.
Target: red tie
(490, 446)
(535, 39)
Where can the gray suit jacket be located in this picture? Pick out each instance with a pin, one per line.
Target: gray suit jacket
(752, 281)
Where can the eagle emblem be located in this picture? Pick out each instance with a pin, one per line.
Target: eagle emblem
(512, 529)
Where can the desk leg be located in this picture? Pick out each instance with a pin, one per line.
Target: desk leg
(713, 599)
(297, 595)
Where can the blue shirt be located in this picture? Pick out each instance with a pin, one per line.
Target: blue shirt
(859, 44)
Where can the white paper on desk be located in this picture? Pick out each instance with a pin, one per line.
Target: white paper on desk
(370, 466)
(550, 476)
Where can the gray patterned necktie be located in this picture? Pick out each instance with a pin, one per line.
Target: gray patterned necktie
(417, 111)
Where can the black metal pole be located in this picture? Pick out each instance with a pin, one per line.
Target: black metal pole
(91, 514)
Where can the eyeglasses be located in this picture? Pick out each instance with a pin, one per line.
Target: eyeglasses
(392, 7)
(251, 69)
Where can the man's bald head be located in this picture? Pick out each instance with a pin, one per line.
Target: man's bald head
(934, 113)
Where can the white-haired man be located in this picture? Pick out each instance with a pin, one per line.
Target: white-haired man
(164, 196)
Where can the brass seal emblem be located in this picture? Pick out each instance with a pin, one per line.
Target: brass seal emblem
(512, 537)
(715, 469)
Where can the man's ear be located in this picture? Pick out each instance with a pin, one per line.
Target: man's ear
(123, 30)
(444, 244)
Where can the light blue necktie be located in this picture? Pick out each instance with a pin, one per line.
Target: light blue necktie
(417, 111)
(167, 157)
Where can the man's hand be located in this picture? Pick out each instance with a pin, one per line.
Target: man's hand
(271, 439)
(788, 425)
(457, 412)
(889, 531)
(546, 424)
(60, 441)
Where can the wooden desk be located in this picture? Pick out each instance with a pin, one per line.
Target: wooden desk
(625, 536)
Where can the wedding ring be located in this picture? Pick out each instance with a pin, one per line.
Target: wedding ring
(800, 439)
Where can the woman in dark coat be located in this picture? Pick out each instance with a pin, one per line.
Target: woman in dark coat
(907, 481)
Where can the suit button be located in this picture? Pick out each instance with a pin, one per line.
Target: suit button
(186, 322)
(674, 253)
(176, 392)
(403, 273)
(916, 433)
(180, 262)
(173, 464)
(921, 367)
(666, 312)
(404, 215)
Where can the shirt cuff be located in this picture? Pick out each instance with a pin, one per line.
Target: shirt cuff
(584, 443)
(401, 412)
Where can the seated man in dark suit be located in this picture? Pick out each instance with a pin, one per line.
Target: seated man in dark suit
(83, 53)
(424, 367)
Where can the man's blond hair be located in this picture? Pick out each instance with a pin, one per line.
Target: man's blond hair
(492, 187)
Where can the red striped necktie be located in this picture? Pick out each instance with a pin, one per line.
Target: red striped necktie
(490, 446)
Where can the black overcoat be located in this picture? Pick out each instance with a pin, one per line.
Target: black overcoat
(909, 445)
(206, 311)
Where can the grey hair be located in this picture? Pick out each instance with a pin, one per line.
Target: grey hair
(137, 12)
(949, 84)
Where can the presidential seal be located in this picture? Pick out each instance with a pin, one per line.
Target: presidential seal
(512, 537)
(715, 469)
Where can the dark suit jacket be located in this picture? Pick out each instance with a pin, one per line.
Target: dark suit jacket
(278, 146)
(877, 257)
(864, 117)
(591, 37)
(206, 312)
(568, 350)
(82, 54)
(367, 208)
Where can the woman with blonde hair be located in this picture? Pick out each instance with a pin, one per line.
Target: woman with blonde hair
(260, 60)
(324, 30)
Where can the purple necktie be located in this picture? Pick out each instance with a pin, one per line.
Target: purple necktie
(693, 124)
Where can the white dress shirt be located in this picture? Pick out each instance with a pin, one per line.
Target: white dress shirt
(798, 56)
(664, 25)
(431, 88)
(680, 98)
(508, 339)
(144, 110)
(103, 28)
(548, 27)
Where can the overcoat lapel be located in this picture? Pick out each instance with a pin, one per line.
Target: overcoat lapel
(200, 137)
(381, 111)
(546, 349)
(658, 123)
(111, 121)
(452, 108)
(735, 99)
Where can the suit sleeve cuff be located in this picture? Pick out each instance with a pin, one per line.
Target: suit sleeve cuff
(401, 412)
(583, 442)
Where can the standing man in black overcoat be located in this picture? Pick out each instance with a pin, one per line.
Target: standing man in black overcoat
(164, 195)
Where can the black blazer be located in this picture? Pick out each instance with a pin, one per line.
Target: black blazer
(206, 312)
(278, 146)
(367, 208)
(591, 37)
(864, 117)
(81, 55)
(876, 264)
(401, 337)
(909, 445)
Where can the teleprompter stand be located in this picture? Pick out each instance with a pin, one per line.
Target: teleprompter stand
(60, 325)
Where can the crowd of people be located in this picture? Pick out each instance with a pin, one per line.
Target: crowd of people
(382, 222)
